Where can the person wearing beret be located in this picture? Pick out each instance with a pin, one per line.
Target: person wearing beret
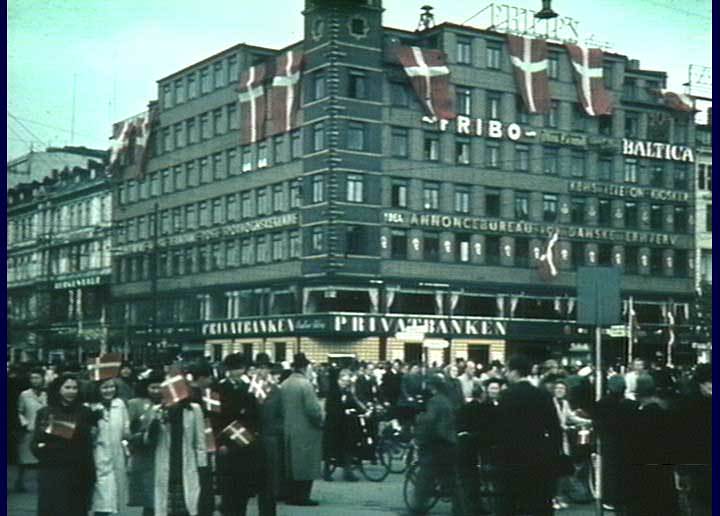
(302, 432)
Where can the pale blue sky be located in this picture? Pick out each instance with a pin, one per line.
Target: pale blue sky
(115, 50)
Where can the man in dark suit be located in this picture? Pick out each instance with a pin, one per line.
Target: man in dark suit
(529, 441)
(238, 469)
(366, 387)
(390, 386)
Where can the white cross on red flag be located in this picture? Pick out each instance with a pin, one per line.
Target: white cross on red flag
(261, 389)
(546, 262)
(131, 139)
(529, 59)
(285, 93)
(587, 64)
(430, 77)
(174, 390)
(676, 101)
(105, 366)
(61, 427)
(211, 400)
(238, 434)
(253, 104)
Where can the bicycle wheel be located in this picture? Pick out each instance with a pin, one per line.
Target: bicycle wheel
(410, 496)
(397, 452)
(378, 469)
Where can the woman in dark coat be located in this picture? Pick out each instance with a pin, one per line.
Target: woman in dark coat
(63, 444)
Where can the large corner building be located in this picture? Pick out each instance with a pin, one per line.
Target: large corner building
(366, 218)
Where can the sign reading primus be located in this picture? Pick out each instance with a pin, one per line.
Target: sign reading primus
(657, 150)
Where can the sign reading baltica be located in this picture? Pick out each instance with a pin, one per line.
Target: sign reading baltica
(657, 150)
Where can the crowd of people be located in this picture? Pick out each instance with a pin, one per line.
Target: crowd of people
(245, 429)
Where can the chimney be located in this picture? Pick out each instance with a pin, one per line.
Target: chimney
(633, 64)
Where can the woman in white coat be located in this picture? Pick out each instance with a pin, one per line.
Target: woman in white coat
(110, 493)
(29, 403)
(180, 451)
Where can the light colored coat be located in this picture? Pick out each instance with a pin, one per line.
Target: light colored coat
(29, 404)
(110, 493)
(567, 417)
(302, 425)
(194, 457)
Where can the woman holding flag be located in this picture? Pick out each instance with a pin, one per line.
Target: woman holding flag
(63, 444)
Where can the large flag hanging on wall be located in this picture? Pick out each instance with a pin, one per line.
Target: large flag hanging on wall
(529, 59)
(253, 104)
(546, 263)
(587, 66)
(129, 144)
(285, 93)
(430, 77)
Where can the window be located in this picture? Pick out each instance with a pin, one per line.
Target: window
(579, 117)
(656, 261)
(708, 217)
(294, 246)
(550, 210)
(608, 75)
(262, 249)
(204, 213)
(631, 170)
(232, 208)
(462, 199)
(263, 201)
(522, 252)
(680, 178)
(192, 86)
(218, 171)
(218, 126)
(295, 145)
(492, 202)
(218, 215)
(205, 172)
(166, 141)
(464, 50)
(278, 249)
(681, 131)
(317, 239)
(431, 148)
(318, 86)
(431, 196)
(295, 194)
(205, 126)
(399, 94)
(167, 182)
(232, 258)
(219, 74)
(191, 131)
(355, 188)
(657, 178)
(522, 206)
(246, 252)
(577, 251)
(246, 207)
(357, 139)
(167, 96)
(399, 142)
(605, 255)
(494, 51)
(604, 212)
(577, 211)
(179, 91)
(205, 80)
(233, 166)
(493, 105)
(631, 259)
(553, 65)
(357, 27)
(462, 151)
(262, 155)
(278, 198)
(233, 71)
(398, 244)
(492, 155)
(431, 247)
(630, 87)
(680, 263)
(178, 135)
(463, 99)
(190, 216)
(680, 219)
(462, 247)
(632, 124)
(318, 137)
(399, 194)
(358, 85)
(521, 114)
(277, 150)
(605, 169)
(656, 217)
(550, 161)
(492, 250)
(232, 117)
(246, 159)
(522, 158)
(577, 164)
(318, 188)
(551, 117)
(154, 185)
(605, 125)
(631, 215)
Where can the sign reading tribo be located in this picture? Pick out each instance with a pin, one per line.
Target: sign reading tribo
(479, 127)
(658, 150)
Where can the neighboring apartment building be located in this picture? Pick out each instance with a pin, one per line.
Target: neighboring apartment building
(37, 165)
(58, 252)
(365, 219)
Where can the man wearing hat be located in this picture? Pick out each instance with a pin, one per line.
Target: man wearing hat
(302, 432)
(238, 467)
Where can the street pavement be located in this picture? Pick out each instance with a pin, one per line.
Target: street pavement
(336, 498)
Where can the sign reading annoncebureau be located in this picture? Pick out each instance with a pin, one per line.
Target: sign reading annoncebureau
(485, 225)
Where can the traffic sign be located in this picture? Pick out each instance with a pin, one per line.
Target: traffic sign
(617, 331)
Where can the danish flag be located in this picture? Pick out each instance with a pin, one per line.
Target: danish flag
(430, 77)
(105, 366)
(546, 262)
(132, 136)
(285, 93)
(529, 58)
(253, 104)
(261, 389)
(238, 434)
(60, 427)
(174, 390)
(588, 70)
(211, 400)
(676, 101)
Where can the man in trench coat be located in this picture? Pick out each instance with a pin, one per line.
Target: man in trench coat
(302, 422)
